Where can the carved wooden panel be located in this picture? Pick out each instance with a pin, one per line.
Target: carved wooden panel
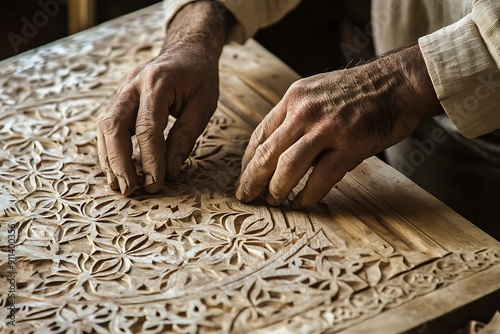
(377, 253)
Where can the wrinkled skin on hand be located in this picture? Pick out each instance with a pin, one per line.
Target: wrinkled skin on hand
(333, 121)
(182, 81)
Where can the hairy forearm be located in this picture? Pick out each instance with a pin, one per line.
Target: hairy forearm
(399, 84)
(413, 89)
(415, 70)
(204, 23)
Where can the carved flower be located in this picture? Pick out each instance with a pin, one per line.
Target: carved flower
(482, 259)
(391, 293)
(238, 239)
(65, 120)
(98, 217)
(29, 173)
(368, 299)
(140, 250)
(53, 202)
(27, 134)
(421, 283)
(70, 318)
(86, 275)
(450, 267)
(343, 313)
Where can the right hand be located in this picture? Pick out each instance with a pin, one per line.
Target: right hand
(182, 81)
(333, 121)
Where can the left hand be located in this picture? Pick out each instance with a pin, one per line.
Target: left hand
(181, 81)
(334, 121)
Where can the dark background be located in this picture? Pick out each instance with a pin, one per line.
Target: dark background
(307, 39)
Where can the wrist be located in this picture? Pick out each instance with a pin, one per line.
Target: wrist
(415, 75)
(404, 86)
(399, 87)
(204, 24)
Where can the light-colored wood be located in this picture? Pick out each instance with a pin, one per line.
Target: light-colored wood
(378, 254)
(81, 15)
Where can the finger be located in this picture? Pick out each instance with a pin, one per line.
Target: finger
(259, 170)
(263, 131)
(152, 119)
(182, 137)
(103, 159)
(329, 170)
(117, 125)
(292, 166)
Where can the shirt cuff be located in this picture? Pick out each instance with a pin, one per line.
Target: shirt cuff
(171, 7)
(465, 77)
(249, 15)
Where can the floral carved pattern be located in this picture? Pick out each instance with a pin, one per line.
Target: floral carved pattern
(188, 260)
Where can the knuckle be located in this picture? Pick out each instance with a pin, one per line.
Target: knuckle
(145, 132)
(151, 159)
(308, 103)
(131, 77)
(150, 75)
(134, 72)
(286, 162)
(99, 119)
(114, 161)
(297, 89)
(146, 125)
(263, 156)
(109, 125)
(306, 111)
(259, 134)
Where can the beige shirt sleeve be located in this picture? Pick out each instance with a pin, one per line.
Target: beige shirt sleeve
(250, 15)
(463, 60)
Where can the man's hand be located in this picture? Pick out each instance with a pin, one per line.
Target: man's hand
(334, 121)
(182, 81)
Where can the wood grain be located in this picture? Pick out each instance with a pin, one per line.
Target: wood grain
(81, 15)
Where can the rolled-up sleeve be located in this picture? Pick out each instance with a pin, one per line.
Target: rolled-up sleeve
(463, 61)
(250, 15)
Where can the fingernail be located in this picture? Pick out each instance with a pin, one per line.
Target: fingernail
(123, 185)
(112, 182)
(151, 185)
(242, 195)
(271, 200)
(149, 181)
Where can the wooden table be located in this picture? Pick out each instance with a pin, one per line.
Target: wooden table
(377, 255)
